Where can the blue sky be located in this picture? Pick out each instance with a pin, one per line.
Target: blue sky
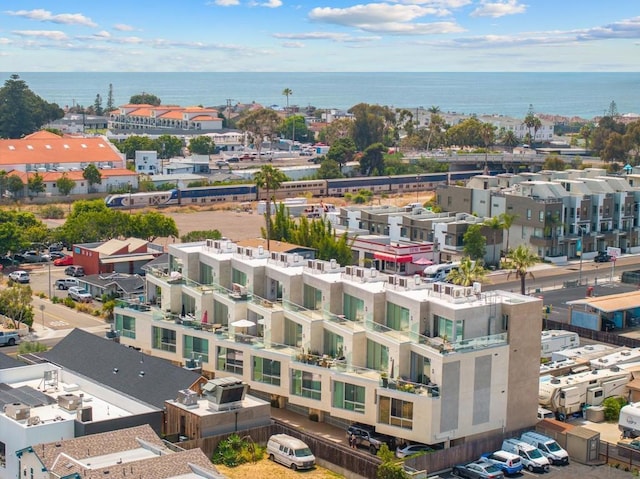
(320, 35)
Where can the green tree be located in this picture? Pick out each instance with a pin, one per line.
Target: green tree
(15, 185)
(495, 225)
(532, 123)
(135, 143)
(390, 468)
(329, 169)
(202, 145)
(370, 125)
(488, 135)
(110, 102)
(65, 185)
(585, 134)
(372, 160)
(260, 125)
(200, 235)
(145, 99)
(15, 304)
(152, 225)
(554, 162)
(467, 273)
(612, 406)
(270, 179)
(507, 220)
(97, 105)
(11, 238)
(614, 148)
(466, 133)
(22, 112)
(295, 127)
(519, 261)
(474, 242)
(341, 128)
(342, 151)
(93, 176)
(168, 146)
(509, 139)
(35, 184)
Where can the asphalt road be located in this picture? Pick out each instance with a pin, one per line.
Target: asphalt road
(572, 471)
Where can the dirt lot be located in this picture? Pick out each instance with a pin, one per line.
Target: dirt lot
(266, 468)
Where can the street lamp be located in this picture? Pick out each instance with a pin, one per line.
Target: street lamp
(580, 250)
(49, 264)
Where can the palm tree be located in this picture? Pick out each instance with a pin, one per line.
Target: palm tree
(509, 139)
(287, 92)
(270, 179)
(495, 225)
(519, 261)
(507, 220)
(467, 273)
(488, 134)
(434, 112)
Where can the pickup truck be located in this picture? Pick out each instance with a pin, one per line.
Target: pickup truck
(66, 283)
(9, 339)
(367, 437)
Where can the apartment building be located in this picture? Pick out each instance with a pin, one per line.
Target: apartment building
(430, 363)
(146, 118)
(555, 212)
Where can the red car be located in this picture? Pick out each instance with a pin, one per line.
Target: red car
(66, 261)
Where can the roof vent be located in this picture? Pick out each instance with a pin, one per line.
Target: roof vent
(17, 411)
(70, 402)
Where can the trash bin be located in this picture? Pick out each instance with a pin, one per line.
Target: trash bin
(590, 291)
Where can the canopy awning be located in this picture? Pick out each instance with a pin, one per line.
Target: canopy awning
(611, 303)
(126, 259)
(393, 258)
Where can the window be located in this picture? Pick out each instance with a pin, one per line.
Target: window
(397, 317)
(312, 298)
(333, 344)
(505, 322)
(194, 348)
(220, 313)
(206, 274)
(266, 371)
(238, 277)
(292, 333)
(306, 384)
(348, 396)
(163, 339)
(353, 308)
(230, 360)
(377, 356)
(448, 329)
(395, 412)
(3, 455)
(528, 214)
(126, 325)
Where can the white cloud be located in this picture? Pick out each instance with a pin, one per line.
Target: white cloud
(46, 16)
(45, 34)
(5, 41)
(498, 9)
(102, 34)
(122, 27)
(385, 18)
(227, 3)
(268, 4)
(293, 45)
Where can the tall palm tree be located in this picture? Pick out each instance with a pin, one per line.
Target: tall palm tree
(287, 92)
(488, 134)
(434, 112)
(467, 273)
(519, 261)
(270, 179)
(495, 225)
(507, 220)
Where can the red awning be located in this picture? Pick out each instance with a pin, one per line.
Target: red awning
(393, 258)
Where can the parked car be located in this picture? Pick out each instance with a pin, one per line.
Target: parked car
(549, 447)
(80, 295)
(19, 276)
(66, 283)
(530, 456)
(56, 255)
(55, 247)
(291, 452)
(509, 463)
(411, 449)
(74, 271)
(480, 469)
(366, 436)
(66, 260)
(602, 257)
(34, 257)
(9, 338)
(234, 159)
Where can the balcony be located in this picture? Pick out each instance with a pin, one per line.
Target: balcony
(302, 312)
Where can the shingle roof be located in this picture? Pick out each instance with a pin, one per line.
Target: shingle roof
(64, 458)
(7, 362)
(127, 283)
(120, 367)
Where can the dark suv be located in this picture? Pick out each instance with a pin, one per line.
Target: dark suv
(602, 257)
(366, 436)
(76, 271)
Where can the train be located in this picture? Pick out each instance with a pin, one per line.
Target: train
(317, 188)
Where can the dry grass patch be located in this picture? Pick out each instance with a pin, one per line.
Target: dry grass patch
(265, 469)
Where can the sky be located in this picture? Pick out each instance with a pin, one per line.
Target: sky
(320, 36)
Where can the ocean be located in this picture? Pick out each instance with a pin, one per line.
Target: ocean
(586, 95)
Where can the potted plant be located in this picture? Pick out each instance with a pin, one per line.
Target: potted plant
(385, 379)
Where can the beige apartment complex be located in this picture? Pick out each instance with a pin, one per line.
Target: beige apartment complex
(433, 363)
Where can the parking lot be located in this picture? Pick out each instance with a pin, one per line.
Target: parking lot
(572, 471)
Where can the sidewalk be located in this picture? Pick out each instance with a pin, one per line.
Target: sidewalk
(322, 429)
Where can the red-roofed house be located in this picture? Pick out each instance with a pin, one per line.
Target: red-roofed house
(44, 151)
(163, 117)
(112, 179)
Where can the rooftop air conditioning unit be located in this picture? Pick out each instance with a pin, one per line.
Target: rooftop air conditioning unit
(320, 265)
(310, 263)
(359, 273)
(188, 398)
(210, 243)
(275, 257)
(625, 353)
(436, 287)
(333, 263)
(283, 257)
(402, 282)
(448, 290)
(391, 280)
(457, 293)
(217, 245)
(32, 421)
(85, 414)
(477, 287)
(348, 270)
(17, 411)
(70, 402)
(373, 272)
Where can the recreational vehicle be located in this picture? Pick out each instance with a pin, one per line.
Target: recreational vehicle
(629, 421)
(557, 340)
(567, 395)
(438, 272)
(616, 359)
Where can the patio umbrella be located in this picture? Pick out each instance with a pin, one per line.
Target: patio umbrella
(183, 313)
(243, 323)
(423, 261)
(205, 317)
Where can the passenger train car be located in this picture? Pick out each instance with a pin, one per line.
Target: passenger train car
(289, 189)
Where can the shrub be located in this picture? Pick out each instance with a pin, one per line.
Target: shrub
(52, 212)
(234, 451)
(612, 408)
(70, 303)
(31, 347)
(56, 300)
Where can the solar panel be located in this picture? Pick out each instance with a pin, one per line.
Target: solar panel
(24, 394)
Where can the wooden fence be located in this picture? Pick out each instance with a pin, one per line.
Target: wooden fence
(601, 336)
(358, 463)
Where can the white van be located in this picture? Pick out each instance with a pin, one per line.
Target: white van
(291, 452)
(545, 414)
(530, 456)
(509, 463)
(549, 448)
(438, 272)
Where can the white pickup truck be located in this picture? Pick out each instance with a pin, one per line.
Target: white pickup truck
(9, 339)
